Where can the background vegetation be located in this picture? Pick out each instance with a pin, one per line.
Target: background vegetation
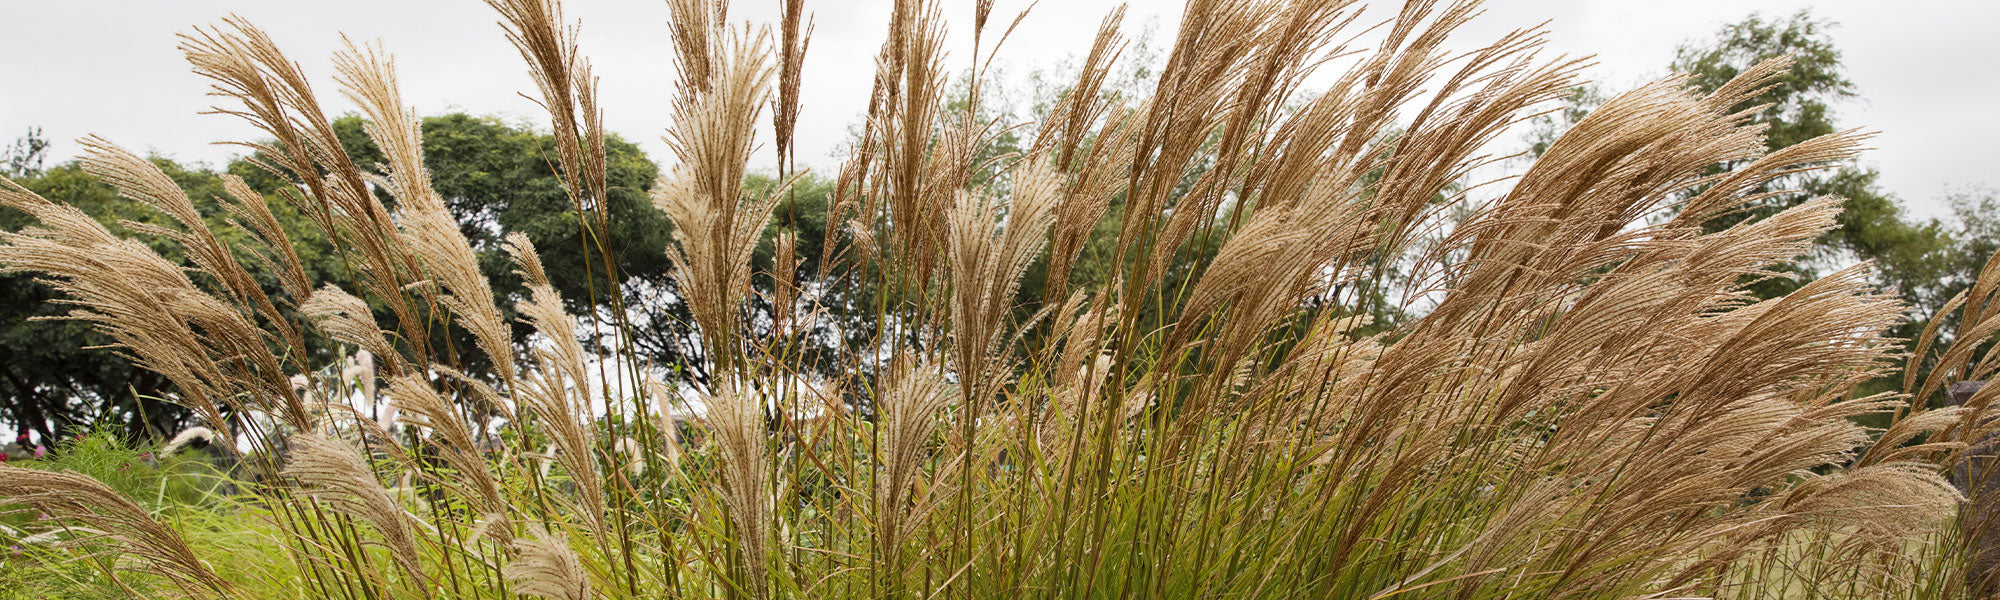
(1192, 331)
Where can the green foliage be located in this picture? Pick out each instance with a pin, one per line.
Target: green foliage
(498, 179)
(1798, 105)
(1977, 212)
(25, 157)
(186, 487)
(1922, 260)
(57, 373)
(1545, 128)
(1925, 261)
(185, 479)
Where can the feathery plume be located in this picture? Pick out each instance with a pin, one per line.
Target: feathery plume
(89, 501)
(334, 471)
(716, 227)
(545, 567)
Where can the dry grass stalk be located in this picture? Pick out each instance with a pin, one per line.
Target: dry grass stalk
(716, 226)
(245, 64)
(568, 91)
(422, 406)
(139, 179)
(557, 391)
(335, 472)
(122, 522)
(546, 567)
(429, 231)
(736, 419)
(346, 318)
(910, 404)
(991, 245)
(130, 292)
(792, 45)
(1593, 403)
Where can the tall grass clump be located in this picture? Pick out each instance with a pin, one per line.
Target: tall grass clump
(1280, 347)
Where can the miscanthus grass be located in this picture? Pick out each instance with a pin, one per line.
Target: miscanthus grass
(1281, 349)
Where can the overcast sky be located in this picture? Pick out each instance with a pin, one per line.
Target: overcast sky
(111, 68)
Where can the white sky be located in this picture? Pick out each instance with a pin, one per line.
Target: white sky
(111, 67)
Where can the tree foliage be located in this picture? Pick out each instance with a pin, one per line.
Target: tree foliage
(1924, 260)
(499, 179)
(55, 373)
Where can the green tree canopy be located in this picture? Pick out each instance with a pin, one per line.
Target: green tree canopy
(1919, 258)
(55, 373)
(499, 179)
(1910, 255)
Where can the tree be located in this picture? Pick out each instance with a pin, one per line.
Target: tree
(55, 374)
(25, 157)
(1925, 261)
(499, 179)
(1911, 256)
(1915, 257)
(496, 178)
(1976, 211)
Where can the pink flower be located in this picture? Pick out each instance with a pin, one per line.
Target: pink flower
(41, 451)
